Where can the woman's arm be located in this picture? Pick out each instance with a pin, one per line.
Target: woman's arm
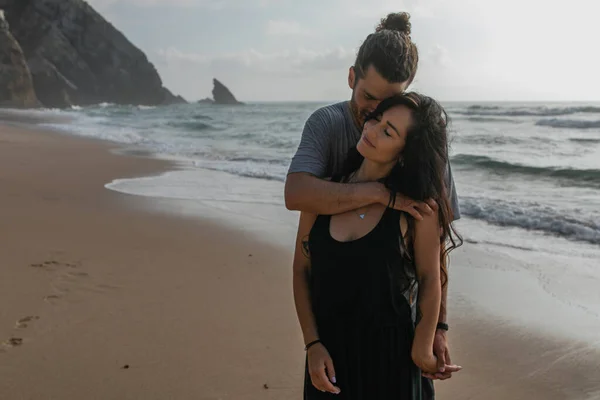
(427, 249)
(301, 271)
(320, 364)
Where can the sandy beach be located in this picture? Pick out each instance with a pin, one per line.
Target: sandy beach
(103, 297)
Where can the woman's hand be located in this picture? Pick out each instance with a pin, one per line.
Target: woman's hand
(417, 209)
(425, 360)
(320, 368)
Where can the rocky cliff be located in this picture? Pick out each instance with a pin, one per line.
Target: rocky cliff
(16, 85)
(76, 57)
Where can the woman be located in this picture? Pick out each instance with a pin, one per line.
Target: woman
(356, 274)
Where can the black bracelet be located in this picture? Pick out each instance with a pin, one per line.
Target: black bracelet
(442, 325)
(311, 344)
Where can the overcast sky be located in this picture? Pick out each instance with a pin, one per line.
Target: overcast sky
(269, 50)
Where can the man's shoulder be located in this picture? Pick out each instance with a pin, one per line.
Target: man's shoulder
(330, 115)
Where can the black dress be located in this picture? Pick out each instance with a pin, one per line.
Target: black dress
(367, 330)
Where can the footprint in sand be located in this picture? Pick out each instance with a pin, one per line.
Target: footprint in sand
(70, 279)
(51, 298)
(67, 274)
(17, 341)
(23, 322)
(77, 274)
(12, 342)
(52, 263)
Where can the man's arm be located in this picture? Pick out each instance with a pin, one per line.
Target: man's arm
(452, 196)
(440, 347)
(454, 206)
(305, 187)
(305, 192)
(442, 317)
(308, 193)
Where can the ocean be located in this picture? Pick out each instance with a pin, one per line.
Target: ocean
(527, 174)
(532, 167)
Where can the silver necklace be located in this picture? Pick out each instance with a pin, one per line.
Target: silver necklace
(360, 215)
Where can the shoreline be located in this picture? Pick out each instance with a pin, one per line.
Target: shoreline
(97, 282)
(524, 287)
(198, 307)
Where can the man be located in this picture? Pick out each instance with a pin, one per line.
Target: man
(385, 65)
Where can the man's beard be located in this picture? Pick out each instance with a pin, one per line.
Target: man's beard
(358, 116)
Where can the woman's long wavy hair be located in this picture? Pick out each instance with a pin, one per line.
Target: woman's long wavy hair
(420, 174)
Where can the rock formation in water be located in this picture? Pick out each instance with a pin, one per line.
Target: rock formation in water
(76, 57)
(16, 85)
(221, 95)
(206, 100)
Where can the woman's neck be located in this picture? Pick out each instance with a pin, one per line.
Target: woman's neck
(370, 171)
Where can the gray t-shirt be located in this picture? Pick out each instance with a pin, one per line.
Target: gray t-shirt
(328, 136)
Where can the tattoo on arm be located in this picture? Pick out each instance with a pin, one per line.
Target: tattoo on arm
(305, 249)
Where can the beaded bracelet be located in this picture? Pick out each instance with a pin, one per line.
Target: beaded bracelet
(311, 344)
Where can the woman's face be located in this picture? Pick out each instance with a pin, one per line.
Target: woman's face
(384, 138)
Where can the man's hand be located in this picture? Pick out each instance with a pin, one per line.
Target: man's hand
(440, 349)
(403, 203)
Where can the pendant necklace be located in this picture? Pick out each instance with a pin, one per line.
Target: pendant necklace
(363, 214)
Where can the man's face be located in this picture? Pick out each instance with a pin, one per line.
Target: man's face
(369, 90)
